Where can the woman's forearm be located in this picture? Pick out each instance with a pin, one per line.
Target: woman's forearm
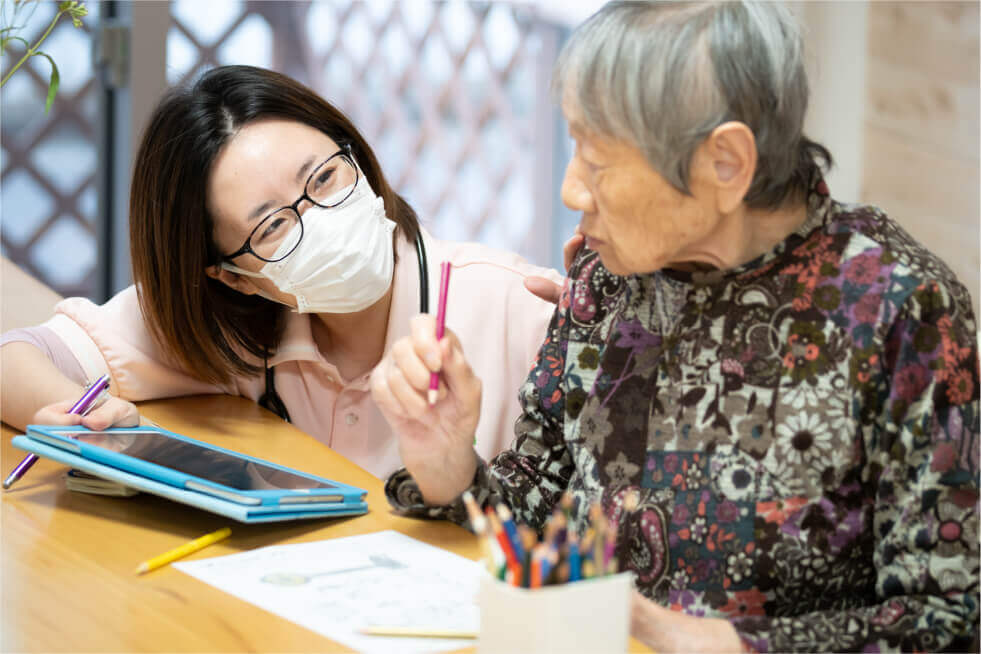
(28, 382)
(664, 630)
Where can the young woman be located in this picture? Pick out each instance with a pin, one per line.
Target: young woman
(272, 260)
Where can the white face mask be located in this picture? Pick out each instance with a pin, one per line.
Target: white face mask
(345, 261)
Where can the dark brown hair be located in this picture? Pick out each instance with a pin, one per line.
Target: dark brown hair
(208, 328)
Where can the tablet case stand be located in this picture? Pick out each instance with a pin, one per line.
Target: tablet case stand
(240, 512)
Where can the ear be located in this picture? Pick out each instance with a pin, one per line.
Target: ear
(731, 152)
(240, 283)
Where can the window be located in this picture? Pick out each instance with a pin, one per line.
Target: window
(452, 96)
(49, 161)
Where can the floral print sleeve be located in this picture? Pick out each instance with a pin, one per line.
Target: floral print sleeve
(921, 456)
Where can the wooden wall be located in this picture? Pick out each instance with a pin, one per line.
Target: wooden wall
(920, 157)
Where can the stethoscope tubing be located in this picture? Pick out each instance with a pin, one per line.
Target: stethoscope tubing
(423, 274)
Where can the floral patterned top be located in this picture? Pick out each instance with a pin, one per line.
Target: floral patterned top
(802, 431)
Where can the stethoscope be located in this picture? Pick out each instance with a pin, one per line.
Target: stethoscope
(423, 274)
(271, 400)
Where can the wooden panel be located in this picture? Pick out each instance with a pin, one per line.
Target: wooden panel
(939, 39)
(921, 158)
(933, 196)
(926, 111)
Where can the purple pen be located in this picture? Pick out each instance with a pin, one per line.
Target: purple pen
(84, 404)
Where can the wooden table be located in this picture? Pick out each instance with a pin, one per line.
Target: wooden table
(67, 559)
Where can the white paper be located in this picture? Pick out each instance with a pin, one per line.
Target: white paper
(336, 587)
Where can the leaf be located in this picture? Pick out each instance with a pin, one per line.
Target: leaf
(53, 83)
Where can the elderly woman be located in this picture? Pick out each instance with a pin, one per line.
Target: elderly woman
(789, 384)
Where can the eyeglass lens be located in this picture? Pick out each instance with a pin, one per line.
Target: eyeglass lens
(279, 233)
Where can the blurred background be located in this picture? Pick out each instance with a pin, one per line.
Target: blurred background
(453, 96)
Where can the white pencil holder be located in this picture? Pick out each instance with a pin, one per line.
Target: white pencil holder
(587, 616)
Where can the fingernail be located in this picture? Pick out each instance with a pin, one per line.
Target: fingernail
(433, 360)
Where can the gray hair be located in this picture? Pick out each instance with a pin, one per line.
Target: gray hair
(663, 75)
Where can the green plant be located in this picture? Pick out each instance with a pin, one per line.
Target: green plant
(10, 28)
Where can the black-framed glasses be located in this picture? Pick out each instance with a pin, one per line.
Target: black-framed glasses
(278, 234)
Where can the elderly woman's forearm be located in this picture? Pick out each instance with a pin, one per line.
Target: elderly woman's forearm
(443, 486)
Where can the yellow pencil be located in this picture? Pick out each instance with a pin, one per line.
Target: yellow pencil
(417, 632)
(183, 550)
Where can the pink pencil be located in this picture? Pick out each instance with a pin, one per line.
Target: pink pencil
(444, 288)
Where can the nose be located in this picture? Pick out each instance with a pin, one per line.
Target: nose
(575, 193)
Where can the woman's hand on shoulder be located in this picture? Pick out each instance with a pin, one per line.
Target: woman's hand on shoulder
(112, 412)
(546, 289)
(435, 442)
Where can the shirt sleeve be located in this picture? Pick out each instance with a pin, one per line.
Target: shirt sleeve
(531, 476)
(923, 463)
(112, 338)
(51, 346)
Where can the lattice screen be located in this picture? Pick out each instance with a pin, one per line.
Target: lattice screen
(449, 94)
(49, 199)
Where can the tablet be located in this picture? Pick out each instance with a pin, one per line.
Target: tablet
(182, 462)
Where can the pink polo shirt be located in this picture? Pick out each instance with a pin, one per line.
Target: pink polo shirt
(500, 325)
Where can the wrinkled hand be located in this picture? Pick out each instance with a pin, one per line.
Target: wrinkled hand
(435, 442)
(666, 631)
(112, 412)
(546, 289)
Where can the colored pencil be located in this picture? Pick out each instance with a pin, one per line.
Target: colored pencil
(599, 523)
(416, 632)
(507, 521)
(566, 504)
(549, 561)
(575, 564)
(183, 550)
(502, 538)
(444, 287)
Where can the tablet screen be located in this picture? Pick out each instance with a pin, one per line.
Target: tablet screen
(193, 459)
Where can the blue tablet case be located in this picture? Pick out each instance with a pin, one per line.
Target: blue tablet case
(240, 512)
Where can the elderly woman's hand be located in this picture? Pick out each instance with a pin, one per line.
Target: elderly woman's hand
(112, 412)
(435, 442)
(667, 631)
